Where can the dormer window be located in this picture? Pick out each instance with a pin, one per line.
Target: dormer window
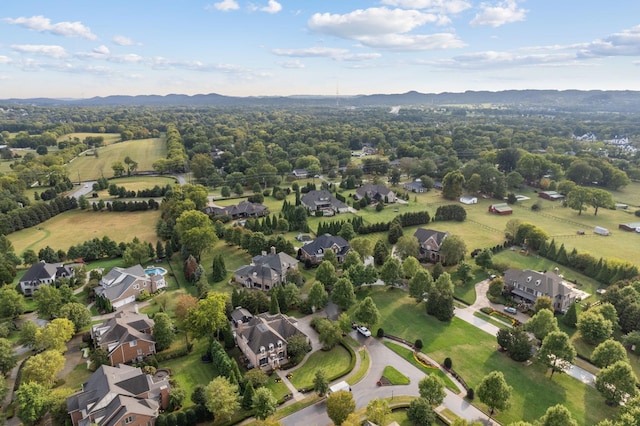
(279, 344)
(528, 279)
(262, 349)
(537, 282)
(271, 347)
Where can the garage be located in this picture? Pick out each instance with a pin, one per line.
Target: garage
(123, 302)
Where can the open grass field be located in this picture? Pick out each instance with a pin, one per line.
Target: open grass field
(474, 355)
(76, 226)
(109, 138)
(137, 183)
(143, 151)
(394, 376)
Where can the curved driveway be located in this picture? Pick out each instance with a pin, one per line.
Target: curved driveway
(367, 389)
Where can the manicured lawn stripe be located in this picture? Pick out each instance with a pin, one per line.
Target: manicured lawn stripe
(332, 362)
(394, 376)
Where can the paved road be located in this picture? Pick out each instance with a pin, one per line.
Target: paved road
(367, 389)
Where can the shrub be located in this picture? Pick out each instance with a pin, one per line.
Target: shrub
(470, 394)
(418, 344)
(448, 363)
(637, 213)
(380, 333)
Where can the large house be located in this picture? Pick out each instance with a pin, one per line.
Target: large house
(375, 193)
(43, 273)
(242, 210)
(324, 201)
(266, 270)
(315, 250)
(126, 337)
(415, 186)
(263, 338)
(120, 395)
(121, 286)
(527, 286)
(430, 242)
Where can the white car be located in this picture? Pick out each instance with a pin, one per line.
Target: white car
(364, 331)
(510, 310)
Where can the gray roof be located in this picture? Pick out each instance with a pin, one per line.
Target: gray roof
(279, 262)
(240, 314)
(266, 329)
(548, 283)
(42, 271)
(110, 382)
(123, 327)
(245, 207)
(423, 234)
(118, 280)
(373, 191)
(314, 198)
(324, 242)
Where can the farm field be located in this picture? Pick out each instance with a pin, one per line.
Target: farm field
(109, 138)
(76, 226)
(143, 151)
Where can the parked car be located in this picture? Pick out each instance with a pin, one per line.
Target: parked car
(510, 310)
(364, 331)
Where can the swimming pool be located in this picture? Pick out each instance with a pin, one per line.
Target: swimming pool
(155, 270)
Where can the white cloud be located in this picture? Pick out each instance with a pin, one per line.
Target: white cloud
(129, 58)
(295, 64)
(357, 57)
(370, 22)
(504, 12)
(438, 6)
(225, 5)
(272, 7)
(625, 43)
(405, 42)
(41, 24)
(101, 50)
(493, 59)
(5, 59)
(311, 52)
(123, 41)
(52, 51)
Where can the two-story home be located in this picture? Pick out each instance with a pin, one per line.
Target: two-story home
(122, 286)
(415, 186)
(263, 339)
(527, 286)
(430, 242)
(375, 193)
(242, 210)
(266, 270)
(120, 395)
(126, 337)
(315, 250)
(324, 201)
(43, 273)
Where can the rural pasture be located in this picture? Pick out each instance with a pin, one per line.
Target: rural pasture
(142, 151)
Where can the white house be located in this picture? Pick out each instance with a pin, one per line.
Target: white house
(468, 199)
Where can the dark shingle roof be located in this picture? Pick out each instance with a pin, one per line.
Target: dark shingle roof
(324, 242)
(423, 234)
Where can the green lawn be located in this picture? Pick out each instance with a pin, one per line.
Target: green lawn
(394, 376)
(143, 151)
(473, 354)
(77, 377)
(279, 389)
(332, 362)
(109, 138)
(407, 354)
(189, 371)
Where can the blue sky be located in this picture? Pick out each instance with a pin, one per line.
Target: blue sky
(85, 48)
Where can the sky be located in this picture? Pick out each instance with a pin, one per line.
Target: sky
(86, 48)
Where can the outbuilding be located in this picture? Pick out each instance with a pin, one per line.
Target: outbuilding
(630, 227)
(468, 199)
(601, 231)
(340, 386)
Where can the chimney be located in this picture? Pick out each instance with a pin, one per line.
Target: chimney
(239, 325)
(264, 253)
(135, 308)
(273, 250)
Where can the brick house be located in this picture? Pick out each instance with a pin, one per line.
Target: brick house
(375, 193)
(127, 337)
(120, 395)
(323, 201)
(315, 250)
(527, 285)
(266, 270)
(430, 242)
(263, 338)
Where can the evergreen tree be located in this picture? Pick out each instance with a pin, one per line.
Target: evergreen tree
(274, 308)
(160, 250)
(562, 257)
(571, 316)
(380, 253)
(552, 251)
(247, 397)
(219, 268)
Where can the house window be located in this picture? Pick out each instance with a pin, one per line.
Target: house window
(281, 354)
(262, 350)
(279, 344)
(262, 361)
(270, 347)
(144, 284)
(129, 419)
(137, 286)
(139, 351)
(133, 343)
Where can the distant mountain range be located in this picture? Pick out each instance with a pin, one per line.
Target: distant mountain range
(551, 100)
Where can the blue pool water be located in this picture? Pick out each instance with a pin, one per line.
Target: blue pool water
(155, 271)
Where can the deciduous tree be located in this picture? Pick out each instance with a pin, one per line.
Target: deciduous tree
(617, 382)
(77, 313)
(55, 335)
(339, 405)
(163, 331)
(440, 300)
(420, 412)
(7, 357)
(432, 390)
(11, 302)
(557, 415)
(264, 403)
(222, 397)
(318, 296)
(320, 382)
(366, 312)
(494, 391)
(556, 351)
(542, 323)
(594, 327)
(32, 401)
(343, 294)
(43, 368)
(407, 246)
(209, 316)
(452, 250)
(420, 284)
(378, 411)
